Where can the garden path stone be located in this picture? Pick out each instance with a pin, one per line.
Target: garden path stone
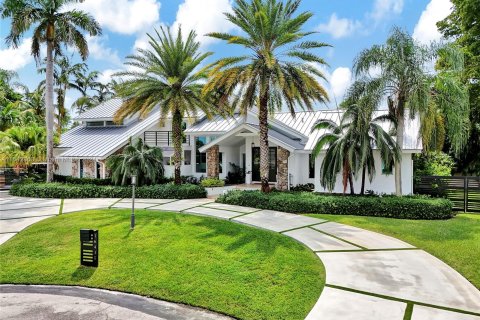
(364, 238)
(73, 205)
(181, 205)
(138, 205)
(335, 304)
(22, 204)
(156, 201)
(4, 237)
(276, 220)
(406, 274)
(17, 225)
(204, 211)
(230, 207)
(422, 313)
(318, 241)
(28, 212)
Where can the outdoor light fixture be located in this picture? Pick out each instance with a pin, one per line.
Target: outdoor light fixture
(132, 217)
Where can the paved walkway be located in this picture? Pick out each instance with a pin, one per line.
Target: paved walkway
(369, 275)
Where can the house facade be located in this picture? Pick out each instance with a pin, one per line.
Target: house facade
(210, 146)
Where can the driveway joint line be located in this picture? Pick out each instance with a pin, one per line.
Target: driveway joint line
(231, 210)
(35, 207)
(382, 296)
(408, 311)
(110, 206)
(298, 228)
(367, 250)
(338, 238)
(241, 215)
(26, 217)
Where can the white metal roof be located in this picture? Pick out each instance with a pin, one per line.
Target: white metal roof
(217, 124)
(100, 142)
(104, 111)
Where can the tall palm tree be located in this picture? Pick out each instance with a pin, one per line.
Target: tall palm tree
(137, 159)
(83, 83)
(279, 71)
(166, 76)
(54, 25)
(405, 80)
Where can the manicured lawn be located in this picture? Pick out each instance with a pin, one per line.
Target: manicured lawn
(455, 241)
(226, 267)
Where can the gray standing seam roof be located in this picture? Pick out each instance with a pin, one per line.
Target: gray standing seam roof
(104, 110)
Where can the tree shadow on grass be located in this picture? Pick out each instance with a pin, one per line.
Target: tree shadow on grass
(83, 273)
(265, 242)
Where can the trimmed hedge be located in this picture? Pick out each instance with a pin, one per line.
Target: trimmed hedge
(70, 191)
(407, 207)
(75, 180)
(212, 182)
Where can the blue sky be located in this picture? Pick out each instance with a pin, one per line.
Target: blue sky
(348, 25)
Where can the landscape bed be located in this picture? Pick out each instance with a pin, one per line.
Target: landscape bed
(229, 268)
(406, 207)
(71, 191)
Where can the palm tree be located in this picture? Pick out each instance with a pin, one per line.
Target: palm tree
(54, 25)
(84, 83)
(20, 146)
(280, 70)
(165, 76)
(404, 78)
(137, 159)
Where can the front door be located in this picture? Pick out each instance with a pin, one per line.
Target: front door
(272, 159)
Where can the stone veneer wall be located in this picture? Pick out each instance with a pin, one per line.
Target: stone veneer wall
(89, 168)
(282, 168)
(75, 167)
(212, 162)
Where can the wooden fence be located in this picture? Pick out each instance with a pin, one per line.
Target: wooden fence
(464, 192)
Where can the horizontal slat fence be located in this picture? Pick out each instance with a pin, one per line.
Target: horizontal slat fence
(464, 192)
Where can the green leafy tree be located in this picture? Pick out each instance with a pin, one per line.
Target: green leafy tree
(410, 88)
(20, 146)
(56, 25)
(137, 159)
(435, 163)
(463, 28)
(166, 76)
(281, 69)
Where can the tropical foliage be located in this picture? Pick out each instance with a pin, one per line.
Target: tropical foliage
(166, 75)
(20, 146)
(56, 25)
(137, 159)
(280, 70)
(412, 90)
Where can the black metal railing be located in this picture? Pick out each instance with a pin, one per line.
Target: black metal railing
(463, 191)
(161, 138)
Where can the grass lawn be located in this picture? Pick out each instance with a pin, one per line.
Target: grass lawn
(455, 241)
(226, 267)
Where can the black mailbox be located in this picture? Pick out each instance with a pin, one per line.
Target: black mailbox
(89, 247)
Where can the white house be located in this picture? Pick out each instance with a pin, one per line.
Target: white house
(210, 146)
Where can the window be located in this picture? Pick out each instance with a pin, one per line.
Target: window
(200, 157)
(95, 123)
(187, 157)
(220, 162)
(167, 161)
(311, 166)
(99, 170)
(81, 168)
(115, 124)
(387, 168)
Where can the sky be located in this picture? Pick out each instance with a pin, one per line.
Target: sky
(349, 26)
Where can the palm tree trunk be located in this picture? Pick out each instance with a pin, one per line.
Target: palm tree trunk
(264, 151)
(49, 104)
(364, 171)
(177, 145)
(398, 165)
(350, 181)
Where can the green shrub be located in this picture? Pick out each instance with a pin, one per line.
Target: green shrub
(434, 163)
(66, 191)
(303, 187)
(74, 180)
(409, 207)
(212, 182)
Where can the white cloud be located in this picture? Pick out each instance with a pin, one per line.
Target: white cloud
(106, 75)
(204, 16)
(340, 80)
(426, 28)
(99, 50)
(384, 8)
(124, 16)
(14, 59)
(339, 27)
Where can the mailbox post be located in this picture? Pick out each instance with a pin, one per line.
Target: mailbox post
(89, 247)
(132, 217)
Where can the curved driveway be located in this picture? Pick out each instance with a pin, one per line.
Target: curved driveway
(368, 275)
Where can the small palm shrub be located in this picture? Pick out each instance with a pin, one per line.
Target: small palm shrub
(137, 159)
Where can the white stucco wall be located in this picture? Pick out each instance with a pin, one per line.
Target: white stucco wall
(380, 184)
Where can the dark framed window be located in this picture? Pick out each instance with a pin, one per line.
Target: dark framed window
(200, 157)
(220, 162)
(311, 166)
(95, 124)
(99, 170)
(81, 168)
(187, 157)
(387, 168)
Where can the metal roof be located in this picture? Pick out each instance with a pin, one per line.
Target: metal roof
(217, 124)
(104, 110)
(100, 142)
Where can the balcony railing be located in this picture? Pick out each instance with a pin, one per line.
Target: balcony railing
(161, 138)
